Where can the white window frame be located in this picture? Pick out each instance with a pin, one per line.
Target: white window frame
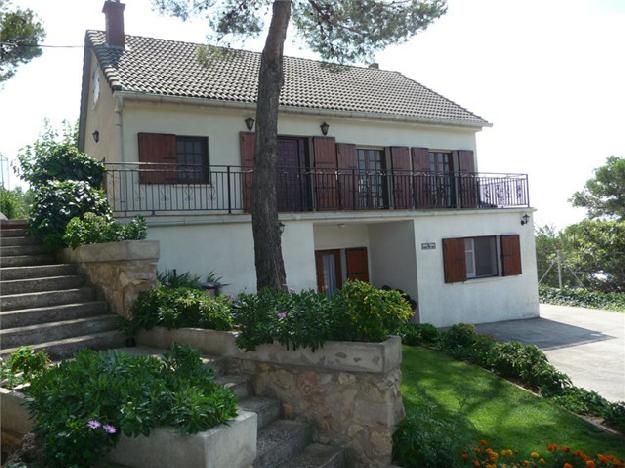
(473, 273)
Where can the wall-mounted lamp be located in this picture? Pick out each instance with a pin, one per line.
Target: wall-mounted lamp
(249, 123)
(525, 219)
(281, 227)
(340, 226)
(96, 136)
(325, 126)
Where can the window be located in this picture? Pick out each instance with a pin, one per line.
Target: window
(371, 182)
(478, 257)
(192, 159)
(480, 254)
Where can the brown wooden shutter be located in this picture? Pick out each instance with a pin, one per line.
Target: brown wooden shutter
(347, 164)
(247, 141)
(511, 255)
(401, 164)
(468, 185)
(324, 149)
(421, 184)
(158, 148)
(454, 260)
(357, 263)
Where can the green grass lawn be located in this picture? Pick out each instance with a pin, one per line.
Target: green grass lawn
(482, 405)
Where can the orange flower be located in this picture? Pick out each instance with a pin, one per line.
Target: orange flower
(603, 459)
(567, 465)
(541, 461)
(491, 465)
(483, 442)
(566, 450)
(465, 456)
(476, 463)
(590, 464)
(477, 450)
(552, 447)
(535, 455)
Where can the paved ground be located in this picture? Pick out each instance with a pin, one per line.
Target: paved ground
(589, 345)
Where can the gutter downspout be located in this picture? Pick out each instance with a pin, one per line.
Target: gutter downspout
(118, 122)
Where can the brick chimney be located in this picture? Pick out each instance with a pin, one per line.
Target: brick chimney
(114, 13)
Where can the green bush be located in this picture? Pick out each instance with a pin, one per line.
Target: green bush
(458, 339)
(416, 334)
(59, 161)
(15, 204)
(94, 229)
(295, 320)
(614, 416)
(82, 406)
(178, 308)
(171, 279)
(423, 440)
(578, 297)
(22, 365)
(364, 313)
(57, 202)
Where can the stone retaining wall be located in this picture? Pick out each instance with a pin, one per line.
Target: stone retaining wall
(349, 392)
(119, 270)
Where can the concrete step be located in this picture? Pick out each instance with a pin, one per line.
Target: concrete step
(267, 410)
(280, 442)
(46, 298)
(50, 283)
(19, 240)
(216, 363)
(12, 232)
(15, 250)
(318, 456)
(27, 260)
(38, 271)
(63, 349)
(54, 331)
(25, 317)
(239, 384)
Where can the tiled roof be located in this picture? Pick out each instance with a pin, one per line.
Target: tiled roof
(172, 68)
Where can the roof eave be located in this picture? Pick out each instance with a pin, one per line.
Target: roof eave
(140, 96)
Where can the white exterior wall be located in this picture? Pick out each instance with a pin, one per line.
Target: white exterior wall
(476, 300)
(393, 257)
(227, 249)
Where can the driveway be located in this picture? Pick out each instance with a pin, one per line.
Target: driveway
(589, 345)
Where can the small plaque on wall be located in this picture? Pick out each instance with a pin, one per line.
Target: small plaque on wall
(428, 245)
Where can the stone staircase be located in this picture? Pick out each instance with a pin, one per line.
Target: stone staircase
(46, 305)
(281, 443)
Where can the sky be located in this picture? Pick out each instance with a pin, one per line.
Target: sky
(549, 74)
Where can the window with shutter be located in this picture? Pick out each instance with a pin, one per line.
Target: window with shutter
(454, 260)
(159, 149)
(511, 255)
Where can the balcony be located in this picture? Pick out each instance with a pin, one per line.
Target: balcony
(155, 188)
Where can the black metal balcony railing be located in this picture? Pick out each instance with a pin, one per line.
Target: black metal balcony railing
(153, 187)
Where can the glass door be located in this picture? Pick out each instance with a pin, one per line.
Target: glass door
(371, 180)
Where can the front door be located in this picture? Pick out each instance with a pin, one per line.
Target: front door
(357, 263)
(292, 183)
(329, 276)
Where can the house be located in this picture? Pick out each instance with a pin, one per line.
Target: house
(378, 175)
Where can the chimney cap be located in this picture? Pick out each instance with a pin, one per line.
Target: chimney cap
(108, 4)
(374, 65)
(114, 14)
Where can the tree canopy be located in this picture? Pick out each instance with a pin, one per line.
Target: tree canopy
(604, 194)
(20, 32)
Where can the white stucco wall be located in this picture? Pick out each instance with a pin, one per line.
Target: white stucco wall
(393, 257)
(227, 249)
(476, 300)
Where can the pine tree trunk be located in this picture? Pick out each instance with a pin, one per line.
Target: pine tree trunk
(270, 272)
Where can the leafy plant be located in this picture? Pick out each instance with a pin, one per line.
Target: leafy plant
(578, 297)
(22, 365)
(15, 204)
(93, 229)
(82, 406)
(57, 202)
(364, 313)
(416, 334)
(171, 279)
(177, 308)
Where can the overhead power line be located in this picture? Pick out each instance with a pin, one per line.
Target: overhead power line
(18, 44)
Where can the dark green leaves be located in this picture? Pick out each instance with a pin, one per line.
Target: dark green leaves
(93, 229)
(604, 194)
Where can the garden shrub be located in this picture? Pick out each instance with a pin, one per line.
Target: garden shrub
(57, 202)
(365, 313)
(81, 407)
(614, 416)
(295, 320)
(22, 365)
(578, 297)
(457, 340)
(15, 204)
(94, 229)
(171, 279)
(416, 334)
(49, 161)
(177, 308)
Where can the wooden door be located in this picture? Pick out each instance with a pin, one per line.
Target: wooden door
(329, 276)
(357, 262)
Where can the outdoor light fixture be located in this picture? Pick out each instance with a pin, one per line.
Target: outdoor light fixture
(281, 227)
(525, 219)
(325, 126)
(249, 122)
(96, 136)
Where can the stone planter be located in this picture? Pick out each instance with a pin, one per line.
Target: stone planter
(230, 445)
(14, 417)
(348, 391)
(119, 270)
